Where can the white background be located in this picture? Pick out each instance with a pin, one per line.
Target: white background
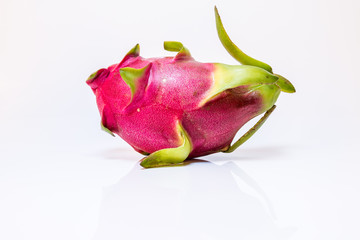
(63, 178)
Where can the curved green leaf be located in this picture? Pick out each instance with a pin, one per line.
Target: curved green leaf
(233, 50)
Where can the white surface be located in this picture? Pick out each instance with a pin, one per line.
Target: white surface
(63, 178)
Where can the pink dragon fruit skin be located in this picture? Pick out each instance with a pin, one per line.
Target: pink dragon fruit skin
(175, 108)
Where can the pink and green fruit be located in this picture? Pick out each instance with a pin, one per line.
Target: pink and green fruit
(175, 108)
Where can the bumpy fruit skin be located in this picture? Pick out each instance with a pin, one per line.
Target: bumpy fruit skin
(170, 93)
(163, 103)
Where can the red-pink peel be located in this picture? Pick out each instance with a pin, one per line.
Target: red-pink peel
(175, 108)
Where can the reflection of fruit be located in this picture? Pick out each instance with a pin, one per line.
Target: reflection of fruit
(175, 108)
(156, 204)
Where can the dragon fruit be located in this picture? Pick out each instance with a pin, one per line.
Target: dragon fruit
(175, 108)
